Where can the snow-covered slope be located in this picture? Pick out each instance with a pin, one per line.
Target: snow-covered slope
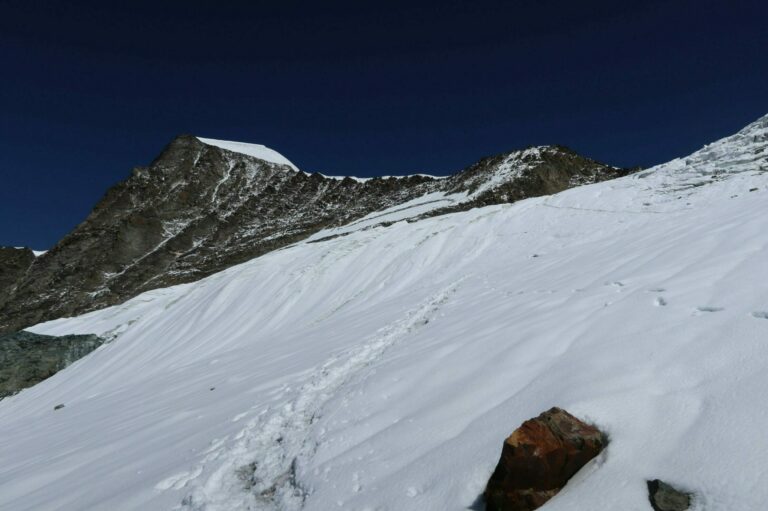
(383, 369)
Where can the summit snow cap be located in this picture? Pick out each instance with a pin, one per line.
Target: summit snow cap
(256, 150)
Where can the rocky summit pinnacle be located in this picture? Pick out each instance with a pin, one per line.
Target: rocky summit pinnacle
(204, 205)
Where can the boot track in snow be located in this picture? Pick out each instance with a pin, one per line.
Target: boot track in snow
(257, 469)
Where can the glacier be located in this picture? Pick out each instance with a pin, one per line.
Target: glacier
(382, 368)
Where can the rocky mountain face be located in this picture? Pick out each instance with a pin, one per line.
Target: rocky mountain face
(27, 359)
(14, 263)
(201, 207)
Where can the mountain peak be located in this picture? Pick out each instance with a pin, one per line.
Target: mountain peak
(204, 205)
(259, 151)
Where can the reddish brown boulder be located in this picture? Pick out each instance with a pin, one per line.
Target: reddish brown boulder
(538, 458)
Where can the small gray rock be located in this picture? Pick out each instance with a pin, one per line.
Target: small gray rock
(664, 497)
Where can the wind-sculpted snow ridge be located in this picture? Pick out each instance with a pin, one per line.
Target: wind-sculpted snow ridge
(383, 369)
(256, 150)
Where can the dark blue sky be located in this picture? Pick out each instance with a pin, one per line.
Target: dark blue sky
(89, 90)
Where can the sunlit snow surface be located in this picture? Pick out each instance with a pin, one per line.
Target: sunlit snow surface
(382, 369)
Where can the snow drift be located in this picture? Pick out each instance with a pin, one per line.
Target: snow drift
(382, 369)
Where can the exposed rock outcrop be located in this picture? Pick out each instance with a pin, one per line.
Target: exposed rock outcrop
(14, 263)
(539, 458)
(27, 359)
(200, 208)
(664, 497)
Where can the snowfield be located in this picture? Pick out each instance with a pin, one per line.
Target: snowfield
(382, 369)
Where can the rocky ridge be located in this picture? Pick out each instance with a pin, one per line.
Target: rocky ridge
(14, 263)
(201, 207)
